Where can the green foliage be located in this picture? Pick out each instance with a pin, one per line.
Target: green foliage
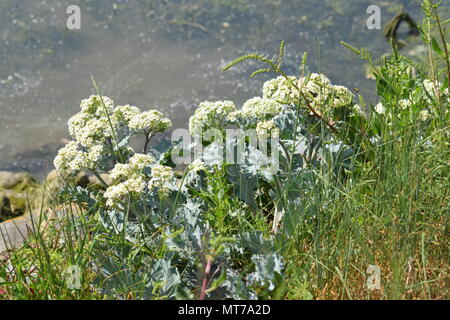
(354, 187)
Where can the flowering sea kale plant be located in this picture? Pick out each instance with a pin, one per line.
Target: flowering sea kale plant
(101, 133)
(140, 192)
(263, 158)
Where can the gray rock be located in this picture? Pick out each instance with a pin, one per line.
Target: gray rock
(7, 180)
(97, 184)
(13, 233)
(10, 180)
(5, 207)
(55, 181)
(82, 179)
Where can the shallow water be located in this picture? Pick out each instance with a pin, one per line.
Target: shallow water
(160, 54)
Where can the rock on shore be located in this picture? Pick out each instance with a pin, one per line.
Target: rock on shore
(24, 201)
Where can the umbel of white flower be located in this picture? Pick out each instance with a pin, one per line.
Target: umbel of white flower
(132, 179)
(162, 176)
(210, 115)
(281, 90)
(266, 129)
(125, 113)
(71, 159)
(135, 185)
(258, 112)
(98, 130)
(151, 121)
(137, 163)
(317, 88)
(258, 109)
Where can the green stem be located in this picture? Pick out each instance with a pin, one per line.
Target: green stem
(100, 179)
(444, 43)
(148, 137)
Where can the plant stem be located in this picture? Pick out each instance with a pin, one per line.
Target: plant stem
(205, 278)
(444, 43)
(148, 137)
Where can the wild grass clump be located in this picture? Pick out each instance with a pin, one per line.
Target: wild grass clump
(355, 188)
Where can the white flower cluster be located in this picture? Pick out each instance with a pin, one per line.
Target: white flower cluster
(209, 115)
(424, 115)
(266, 129)
(432, 88)
(125, 113)
(89, 132)
(323, 95)
(317, 88)
(197, 165)
(136, 164)
(141, 161)
(96, 126)
(358, 110)
(404, 104)
(97, 106)
(120, 172)
(133, 186)
(93, 124)
(149, 121)
(342, 97)
(71, 159)
(161, 177)
(128, 178)
(379, 108)
(281, 90)
(257, 108)
(94, 156)
(317, 85)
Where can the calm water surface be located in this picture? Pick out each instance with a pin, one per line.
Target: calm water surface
(160, 54)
